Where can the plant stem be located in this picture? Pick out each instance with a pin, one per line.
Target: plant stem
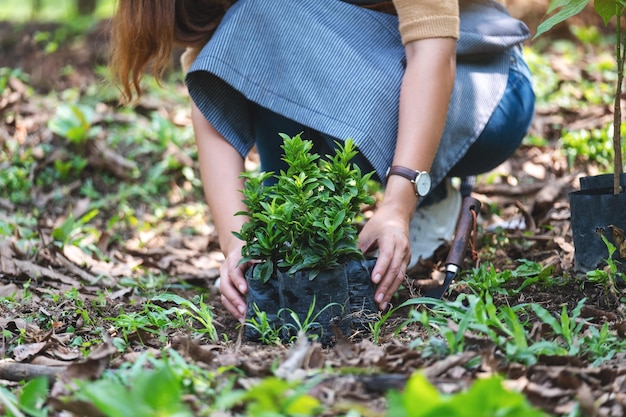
(617, 116)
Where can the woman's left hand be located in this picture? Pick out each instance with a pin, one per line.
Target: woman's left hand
(388, 232)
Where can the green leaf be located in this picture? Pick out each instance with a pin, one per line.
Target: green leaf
(607, 9)
(418, 387)
(33, 396)
(263, 271)
(567, 9)
(161, 390)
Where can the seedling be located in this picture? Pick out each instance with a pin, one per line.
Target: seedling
(29, 401)
(485, 398)
(267, 333)
(307, 325)
(71, 231)
(75, 123)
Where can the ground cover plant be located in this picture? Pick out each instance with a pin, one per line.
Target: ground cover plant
(108, 260)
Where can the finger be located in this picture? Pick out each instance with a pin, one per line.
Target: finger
(231, 295)
(239, 280)
(392, 278)
(232, 309)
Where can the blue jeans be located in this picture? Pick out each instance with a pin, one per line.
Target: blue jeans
(507, 126)
(502, 135)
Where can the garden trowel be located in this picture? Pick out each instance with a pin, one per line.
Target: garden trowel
(466, 223)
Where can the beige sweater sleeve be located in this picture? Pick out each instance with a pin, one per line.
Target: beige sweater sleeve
(422, 19)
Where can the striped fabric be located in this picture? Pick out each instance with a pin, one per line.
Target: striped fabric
(337, 68)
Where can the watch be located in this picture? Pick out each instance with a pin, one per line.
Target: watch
(420, 179)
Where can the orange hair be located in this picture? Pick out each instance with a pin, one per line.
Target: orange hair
(145, 31)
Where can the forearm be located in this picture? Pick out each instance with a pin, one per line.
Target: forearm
(220, 167)
(424, 97)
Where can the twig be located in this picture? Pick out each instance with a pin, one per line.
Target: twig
(16, 371)
(443, 365)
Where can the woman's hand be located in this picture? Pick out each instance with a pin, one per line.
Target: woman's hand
(233, 285)
(387, 231)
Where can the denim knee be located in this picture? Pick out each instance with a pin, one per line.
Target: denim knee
(507, 126)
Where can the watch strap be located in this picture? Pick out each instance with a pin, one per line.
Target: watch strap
(409, 174)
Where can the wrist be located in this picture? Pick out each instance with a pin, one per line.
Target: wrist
(400, 197)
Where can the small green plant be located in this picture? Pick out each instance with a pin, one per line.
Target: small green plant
(607, 278)
(306, 219)
(560, 10)
(277, 397)
(72, 231)
(200, 313)
(156, 392)
(308, 323)
(267, 333)
(568, 328)
(29, 400)
(75, 123)
(155, 319)
(485, 398)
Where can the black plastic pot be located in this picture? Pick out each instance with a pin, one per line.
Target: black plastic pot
(593, 209)
(263, 295)
(363, 308)
(321, 303)
(342, 298)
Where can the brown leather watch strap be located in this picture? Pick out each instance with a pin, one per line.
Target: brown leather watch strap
(405, 172)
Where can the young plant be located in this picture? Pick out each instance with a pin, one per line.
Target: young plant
(268, 334)
(277, 397)
(201, 313)
(156, 392)
(307, 324)
(75, 123)
(607, 10)
(72, 231)
(607, 277)
(306, 219)
(29, 401)
(485, 398)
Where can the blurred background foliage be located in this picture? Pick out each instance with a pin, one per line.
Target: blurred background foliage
(54, 10)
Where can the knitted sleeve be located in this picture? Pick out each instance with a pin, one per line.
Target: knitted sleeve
(422, 19)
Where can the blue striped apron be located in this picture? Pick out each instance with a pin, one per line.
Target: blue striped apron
(336, 67)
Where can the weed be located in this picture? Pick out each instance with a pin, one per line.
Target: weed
(568, 328)
(29, 400)
(607, 278)
(591, 145)
(148, 393)
(267, 333)
(277, 397)
(201, 313)
(309, 325)
(375, 327)
(72, 231)
(74, 122)
(486, 397)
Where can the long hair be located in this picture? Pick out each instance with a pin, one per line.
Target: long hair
(144, 33)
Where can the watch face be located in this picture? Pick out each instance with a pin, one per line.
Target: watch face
(422, 184)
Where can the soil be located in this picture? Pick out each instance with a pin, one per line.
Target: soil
(524, 216)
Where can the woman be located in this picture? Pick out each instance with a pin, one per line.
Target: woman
(428, 89)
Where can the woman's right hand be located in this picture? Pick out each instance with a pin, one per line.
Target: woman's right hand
(233, 285)
(220, 168)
